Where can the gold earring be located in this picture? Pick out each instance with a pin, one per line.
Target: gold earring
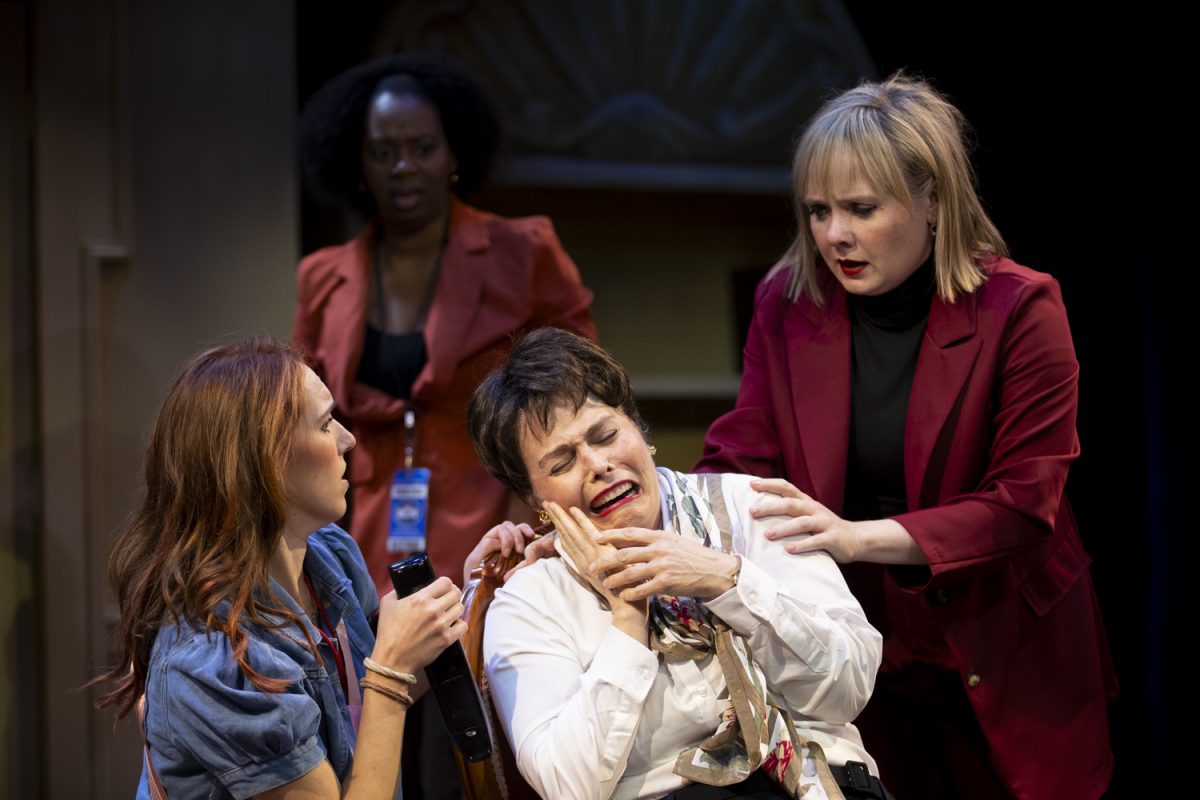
(543, 517)
(653, 450)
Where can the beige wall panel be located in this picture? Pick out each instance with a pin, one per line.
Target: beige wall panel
(74, 144)
(167, 222)
(661, 265)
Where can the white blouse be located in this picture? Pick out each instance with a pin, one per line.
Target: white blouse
(591, 713)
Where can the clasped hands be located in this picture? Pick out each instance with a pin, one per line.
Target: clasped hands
(632, 564)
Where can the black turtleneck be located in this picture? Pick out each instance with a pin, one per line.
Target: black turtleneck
(887, 332)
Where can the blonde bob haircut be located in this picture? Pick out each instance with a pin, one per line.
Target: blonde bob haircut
(906, 140)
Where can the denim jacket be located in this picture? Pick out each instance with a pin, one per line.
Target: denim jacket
(213, 734)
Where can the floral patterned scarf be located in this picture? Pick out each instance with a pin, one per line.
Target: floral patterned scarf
(755, 730)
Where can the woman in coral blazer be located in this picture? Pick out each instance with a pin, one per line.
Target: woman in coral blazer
(413, 313)
(918, 391)
(499, 277)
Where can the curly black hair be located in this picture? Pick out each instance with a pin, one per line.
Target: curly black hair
(334, 119)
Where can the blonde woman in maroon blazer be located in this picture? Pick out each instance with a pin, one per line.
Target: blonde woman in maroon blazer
(413, 312)
(918, 392)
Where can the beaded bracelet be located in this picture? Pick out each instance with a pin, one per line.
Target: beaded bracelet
(388, 672)
(400, 697)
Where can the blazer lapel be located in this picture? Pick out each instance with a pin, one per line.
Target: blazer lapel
(944, 363)
(346, 319)
(818, 352)
(456, 299)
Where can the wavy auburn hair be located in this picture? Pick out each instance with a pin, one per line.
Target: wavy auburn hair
(212, 512)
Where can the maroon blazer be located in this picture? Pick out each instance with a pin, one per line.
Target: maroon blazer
(499, 278)
(989, 436)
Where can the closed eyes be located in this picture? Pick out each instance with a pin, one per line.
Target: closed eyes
(606, 437)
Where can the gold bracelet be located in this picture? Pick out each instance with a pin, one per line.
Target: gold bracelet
(388, 672)
(400, 697)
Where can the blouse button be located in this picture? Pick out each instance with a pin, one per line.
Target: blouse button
(703, 691)
(973, 679)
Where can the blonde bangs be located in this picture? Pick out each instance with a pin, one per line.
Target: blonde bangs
(842, 147)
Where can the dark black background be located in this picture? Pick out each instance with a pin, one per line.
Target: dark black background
(1081, 142)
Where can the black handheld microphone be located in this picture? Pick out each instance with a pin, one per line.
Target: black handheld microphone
(449, 676)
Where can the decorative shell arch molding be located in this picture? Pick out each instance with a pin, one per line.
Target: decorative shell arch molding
(653, 94)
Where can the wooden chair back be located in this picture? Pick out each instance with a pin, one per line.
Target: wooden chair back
(497, 777)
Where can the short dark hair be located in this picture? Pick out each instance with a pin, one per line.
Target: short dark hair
(547, 368)
(334, 120)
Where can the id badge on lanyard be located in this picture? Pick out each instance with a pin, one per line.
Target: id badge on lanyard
(409, 500)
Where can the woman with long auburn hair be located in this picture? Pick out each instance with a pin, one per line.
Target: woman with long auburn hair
(244, 611)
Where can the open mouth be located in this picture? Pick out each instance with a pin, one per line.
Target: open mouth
(406, 198)
(850, 267)
(615, 497)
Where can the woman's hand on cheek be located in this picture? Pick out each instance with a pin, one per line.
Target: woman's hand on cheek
(414, 630)
(814, 526)
(650, 562)
(579, 540)
(578, 537)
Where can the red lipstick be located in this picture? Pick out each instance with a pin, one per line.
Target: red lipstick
(615, 497)
(851, 268)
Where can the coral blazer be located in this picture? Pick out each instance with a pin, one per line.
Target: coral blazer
(499, 278)
(989, 436)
